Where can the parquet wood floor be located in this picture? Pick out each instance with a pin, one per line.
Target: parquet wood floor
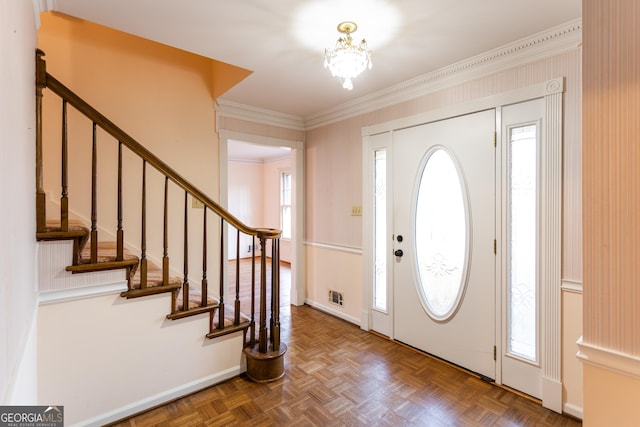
(340, 375)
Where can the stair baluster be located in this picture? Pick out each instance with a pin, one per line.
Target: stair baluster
(205, 283)
(262, 331)
(222, 278)
(275, 294)
(252, 338)
(64, 199)
(41, 201)
(143, 230)
(236, 310)
(185, 283)
(94, 195)
(165, 237)
(119, 232)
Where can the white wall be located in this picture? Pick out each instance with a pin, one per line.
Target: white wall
(106, 357)
(17, 210)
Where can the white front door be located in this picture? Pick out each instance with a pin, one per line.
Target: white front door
(444, 235)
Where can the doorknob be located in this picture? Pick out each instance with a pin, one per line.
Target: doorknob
(398, 253)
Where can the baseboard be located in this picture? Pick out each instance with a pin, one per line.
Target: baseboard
(573, 410)
(160, 398)
(552, 394)
(332, 312)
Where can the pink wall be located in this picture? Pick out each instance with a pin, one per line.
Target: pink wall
(334, 161)
(254, 197)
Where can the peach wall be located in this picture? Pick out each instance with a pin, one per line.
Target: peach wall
(18, 279)
(330, 269)
(159, 95)
(612, 177)
(572, 382)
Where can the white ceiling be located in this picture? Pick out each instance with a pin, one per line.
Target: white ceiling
(239, 151)
(282, 41)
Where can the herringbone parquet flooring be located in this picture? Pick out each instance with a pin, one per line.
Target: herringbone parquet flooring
(339, 375)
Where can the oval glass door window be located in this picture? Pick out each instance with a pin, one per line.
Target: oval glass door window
(442, 235)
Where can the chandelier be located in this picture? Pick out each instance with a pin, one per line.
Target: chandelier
(346, 60)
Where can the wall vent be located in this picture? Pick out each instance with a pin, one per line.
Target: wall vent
(335, 297)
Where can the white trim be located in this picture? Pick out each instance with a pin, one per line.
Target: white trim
(573, 286)
(260, 161)
(550, 253)
(552, 394)
(49, 297)
(550, 209)
(552, 42)
(545, 44)
(160, 398)
(332, 311)
(549, 87)
(612, 360)
(235, 110)
(339, 248)
(40, 6)
(573, 410)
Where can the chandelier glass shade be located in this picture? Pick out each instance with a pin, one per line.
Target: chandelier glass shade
(347, 60)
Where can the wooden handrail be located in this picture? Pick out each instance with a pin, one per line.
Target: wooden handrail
(111, 128)
(259, 366)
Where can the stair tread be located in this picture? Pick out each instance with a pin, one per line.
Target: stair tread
(107, 259)
(229, 314)
(75, 230)
(107, 252)
(74, 225)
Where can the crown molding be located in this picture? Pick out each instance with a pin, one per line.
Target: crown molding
(548, 43)
(40, 6)
(542, 45)
(235, 110)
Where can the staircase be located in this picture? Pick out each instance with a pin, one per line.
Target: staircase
(151, 274)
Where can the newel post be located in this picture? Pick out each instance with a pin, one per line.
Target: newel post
(41, 83)
(265, 359)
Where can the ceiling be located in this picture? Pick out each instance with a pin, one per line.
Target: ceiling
(282, 42)
(240, 151)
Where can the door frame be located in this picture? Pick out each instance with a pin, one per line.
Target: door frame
(550, 237)
(297, 220)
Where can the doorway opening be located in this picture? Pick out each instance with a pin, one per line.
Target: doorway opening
(261, 181)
